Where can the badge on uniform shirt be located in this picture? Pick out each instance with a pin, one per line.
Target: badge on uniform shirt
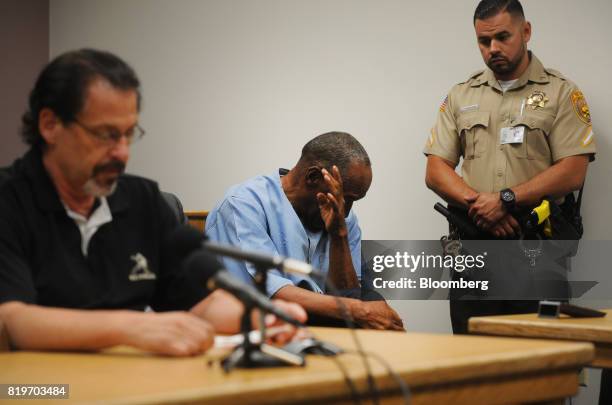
(581, 107)
(537, 99)
(512, 135)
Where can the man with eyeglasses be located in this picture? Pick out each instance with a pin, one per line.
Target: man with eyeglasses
(82, 250)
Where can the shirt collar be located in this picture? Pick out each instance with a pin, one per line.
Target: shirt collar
(281, 192)
(294, 216)
(119, 200)
(100, 216)
(535, 73)
(89, 226)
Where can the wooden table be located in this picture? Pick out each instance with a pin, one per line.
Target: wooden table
(440, 369)
(595, 330)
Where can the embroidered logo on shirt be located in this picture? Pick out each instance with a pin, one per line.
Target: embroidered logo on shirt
(581, 107)
(140, 271)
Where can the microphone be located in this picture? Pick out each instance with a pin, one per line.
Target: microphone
(217, 277)
(185, 239)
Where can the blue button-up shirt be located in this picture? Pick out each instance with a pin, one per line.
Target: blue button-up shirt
(256, 215)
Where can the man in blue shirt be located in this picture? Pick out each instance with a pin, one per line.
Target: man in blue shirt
(305, 213)
(82, 245)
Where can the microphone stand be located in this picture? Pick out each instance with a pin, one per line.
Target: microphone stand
(258, 355)
(261, 281)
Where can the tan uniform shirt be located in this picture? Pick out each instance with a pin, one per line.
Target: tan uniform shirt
(549, 111)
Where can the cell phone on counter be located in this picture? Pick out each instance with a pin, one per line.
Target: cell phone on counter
(552, 309)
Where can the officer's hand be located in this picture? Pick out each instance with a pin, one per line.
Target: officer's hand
(486, 209)
(331, 204)
(507, 227)
(376, 315)
(168, 333)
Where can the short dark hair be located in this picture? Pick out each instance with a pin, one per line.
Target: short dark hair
(62, 84)
(334, 148)
(490, 8)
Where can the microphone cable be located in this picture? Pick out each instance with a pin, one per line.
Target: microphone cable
(185, 240)
(404, 388)
(350, 324)
(355, 396)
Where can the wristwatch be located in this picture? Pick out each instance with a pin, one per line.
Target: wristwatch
(508, 199)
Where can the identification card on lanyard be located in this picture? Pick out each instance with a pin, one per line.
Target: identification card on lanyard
(512, 135)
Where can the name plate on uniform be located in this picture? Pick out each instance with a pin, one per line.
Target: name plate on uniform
(512, 135)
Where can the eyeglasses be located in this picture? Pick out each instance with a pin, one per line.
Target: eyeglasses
(112, 136)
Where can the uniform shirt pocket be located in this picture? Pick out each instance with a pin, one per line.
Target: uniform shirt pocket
(535, 145)
(473, 130)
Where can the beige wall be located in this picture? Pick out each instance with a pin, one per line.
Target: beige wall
(234, 88)
(24, 49)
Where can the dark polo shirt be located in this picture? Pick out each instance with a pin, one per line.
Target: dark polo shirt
(127, 265)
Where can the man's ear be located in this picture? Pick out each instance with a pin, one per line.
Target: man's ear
(526, 31)
(314, 177)
(48, 125)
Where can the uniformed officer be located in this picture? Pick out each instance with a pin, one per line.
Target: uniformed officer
(524, 133)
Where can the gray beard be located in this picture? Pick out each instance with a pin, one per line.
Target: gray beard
(92, 188)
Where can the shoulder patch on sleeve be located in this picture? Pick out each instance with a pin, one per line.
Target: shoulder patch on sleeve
(432, 138)
(587, 136)
(444, 104)
(580, 106)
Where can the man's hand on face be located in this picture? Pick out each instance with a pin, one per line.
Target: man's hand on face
(331, 204)
(376, 315)
(486, 209)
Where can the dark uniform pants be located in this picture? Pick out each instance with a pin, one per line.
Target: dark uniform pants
(605, 390)
(462, 310)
